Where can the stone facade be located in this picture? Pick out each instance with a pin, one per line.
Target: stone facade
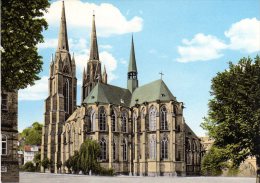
(141, 130)
(9, 136)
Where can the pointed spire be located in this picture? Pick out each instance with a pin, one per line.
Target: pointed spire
(132, 62)
(105, 71)
(63, 37)
(93, 42)
(104, 78)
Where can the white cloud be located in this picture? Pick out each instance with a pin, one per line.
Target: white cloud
(111, 64)
(106, 46)
(39, 91)
(109, 19)
(200, 48)
(48, 43)
(245, 35)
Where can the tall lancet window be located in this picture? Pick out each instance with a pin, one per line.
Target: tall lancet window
(102, 119)
(164, 148)
(66, 91)
(113, 121)
(103, 148)
(114, 150)
(163, 118)
(134, 122)
(124, 150)
(152, 119)
(93, 120)
(152, 147)
(124, 122)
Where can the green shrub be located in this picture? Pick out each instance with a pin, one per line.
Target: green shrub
(29, 167)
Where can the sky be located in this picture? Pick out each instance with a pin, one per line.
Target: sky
(189, 41)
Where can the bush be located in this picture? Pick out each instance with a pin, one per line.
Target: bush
(29, 167)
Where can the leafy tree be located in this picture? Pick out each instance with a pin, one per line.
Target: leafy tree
(45, 163)
(234, 111)
(33, 134)
(88, 156)
(29, 167)
(214, 162)
(37, 161)
(21, 28)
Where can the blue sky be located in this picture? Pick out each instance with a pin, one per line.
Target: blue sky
(189, 41)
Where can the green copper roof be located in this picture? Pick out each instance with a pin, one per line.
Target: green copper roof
(132, 62)
(108, 94)
(156, 90)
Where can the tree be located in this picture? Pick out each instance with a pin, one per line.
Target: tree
(45, 163)
(88, 156)
(21, 28)
(68, 163)
(234, 111)
(37, 161)
(214, 162)
(29, 167)
(32, 134)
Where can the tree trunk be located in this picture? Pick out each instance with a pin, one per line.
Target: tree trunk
(257, 169)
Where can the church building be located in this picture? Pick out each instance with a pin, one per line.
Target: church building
(141, 129)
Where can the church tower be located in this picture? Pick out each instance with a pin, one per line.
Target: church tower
(61, 102)
(93, 74)
(132, 82)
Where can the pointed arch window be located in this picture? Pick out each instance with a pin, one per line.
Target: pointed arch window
(163, 118)
(152, 148)
(93, 120)
(4, 144)
(134, 122)
(124, 150)
(103, 147)
(124, 122)
(114, 151)
(113, 121)
(164, 148)
(152, 119)
(102, 119)
(66, 91)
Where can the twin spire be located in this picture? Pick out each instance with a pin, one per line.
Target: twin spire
(63, 36)
(93, 42)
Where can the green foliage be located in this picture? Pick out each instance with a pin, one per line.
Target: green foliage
(105, 172)
(33, 134)
(68, 163)
(29, 167)
(214, 162)
(37, 161)
(234, 111)
(88, 155)
(21, 27)
(73, 163)
(45, 163)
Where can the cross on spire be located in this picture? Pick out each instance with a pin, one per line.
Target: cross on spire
(161, 73)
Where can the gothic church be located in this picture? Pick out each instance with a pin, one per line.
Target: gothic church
(141, 129)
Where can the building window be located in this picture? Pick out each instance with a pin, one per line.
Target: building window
(114, 151)
(103, 146)
(134, 122)
(124, 122)
(124, 150)
(4, 101)
(152, 148)
(113, 121)
(152, 119)
(93, 121)
(66, 91)
(3, 168)
(163, 117)
(4, 144)
(102, 119)
(164, 148)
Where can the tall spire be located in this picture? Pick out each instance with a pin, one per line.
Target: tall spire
(93, 42)
(132, 82)
(132, 62)
(63, 37)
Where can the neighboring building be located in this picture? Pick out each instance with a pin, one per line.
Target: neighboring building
(9, 137)
(141, 130)
(206, 143)
(29, 152)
